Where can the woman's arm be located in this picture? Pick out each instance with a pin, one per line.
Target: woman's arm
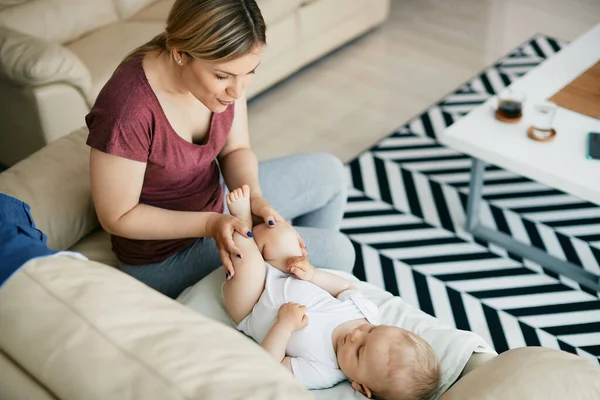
(239, 167)
(238, 162)
(116, 186)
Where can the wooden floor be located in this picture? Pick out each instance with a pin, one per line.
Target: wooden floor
(349, 100)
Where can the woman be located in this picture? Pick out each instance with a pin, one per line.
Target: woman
(164, 128)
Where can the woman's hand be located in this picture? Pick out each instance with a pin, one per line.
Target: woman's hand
(262, 209)
(221, 227)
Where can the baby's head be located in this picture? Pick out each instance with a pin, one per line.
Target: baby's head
(388, 363)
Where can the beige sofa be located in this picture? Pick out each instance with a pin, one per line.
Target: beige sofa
(75, 329)
(55, 55)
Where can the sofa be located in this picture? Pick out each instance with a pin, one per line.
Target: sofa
(81, 329)
(56, 55)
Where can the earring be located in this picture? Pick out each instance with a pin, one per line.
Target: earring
(180, 62)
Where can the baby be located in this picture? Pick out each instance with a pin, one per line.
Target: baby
(316, 323)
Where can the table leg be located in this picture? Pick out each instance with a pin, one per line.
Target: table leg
(564, 268)
(475, 187)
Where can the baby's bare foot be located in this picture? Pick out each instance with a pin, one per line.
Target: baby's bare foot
(238, 203)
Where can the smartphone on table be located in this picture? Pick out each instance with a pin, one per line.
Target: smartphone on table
(593, 150)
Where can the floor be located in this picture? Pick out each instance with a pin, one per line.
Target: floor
(405, 213)
(351, 99)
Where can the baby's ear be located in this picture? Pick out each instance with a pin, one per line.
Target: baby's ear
(359, 387)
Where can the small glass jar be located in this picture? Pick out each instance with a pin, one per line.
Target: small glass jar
(542, 122)
(509, 107)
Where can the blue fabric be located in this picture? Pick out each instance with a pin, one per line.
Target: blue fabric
(20, 240)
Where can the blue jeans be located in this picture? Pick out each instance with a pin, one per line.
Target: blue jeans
(20, 240)
(309, 189)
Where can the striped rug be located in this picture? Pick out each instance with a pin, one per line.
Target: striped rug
(406, 216)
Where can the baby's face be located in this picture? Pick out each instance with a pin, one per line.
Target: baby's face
(364, 353)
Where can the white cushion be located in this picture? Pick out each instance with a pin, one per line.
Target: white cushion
(275, 10)
(158, 11)
(449, 344)
(323, 15)
(58, 20)
(127, 8)
(88, 331)
(98, 247)
(9, 3)
(31, 61)
(103, 50)
(281, 37)
(21, 386)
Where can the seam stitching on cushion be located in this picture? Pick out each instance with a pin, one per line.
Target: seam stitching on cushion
(28, 374)
(105, 337)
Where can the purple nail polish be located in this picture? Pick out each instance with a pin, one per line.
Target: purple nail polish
(239, 256)
(250, 235)
(271, 223)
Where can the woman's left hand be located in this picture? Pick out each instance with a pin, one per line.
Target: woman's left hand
(262, 209)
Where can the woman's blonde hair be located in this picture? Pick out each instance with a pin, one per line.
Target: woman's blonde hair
(210, 30)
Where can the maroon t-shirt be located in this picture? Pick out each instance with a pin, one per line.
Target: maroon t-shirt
(128, 121)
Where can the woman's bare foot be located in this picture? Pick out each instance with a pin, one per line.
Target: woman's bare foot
(238, 203)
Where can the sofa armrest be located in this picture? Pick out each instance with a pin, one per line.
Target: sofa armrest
(532, 373)
(22, 385)
(30, 61)
(88, 331)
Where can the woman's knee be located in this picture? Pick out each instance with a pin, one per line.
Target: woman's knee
(330, 168)
(345, 254)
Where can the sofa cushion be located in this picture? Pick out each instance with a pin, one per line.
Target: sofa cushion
(31, 61)
(58, 20)
(275, 10)
(158, 11)
(9, 3)
(323, 15)
(127, 8)
(55, 182)
(272, 10)
(103, 50)
(87, 331)
(282, 36)
(532, 373)
(22, 385)
(97, 247)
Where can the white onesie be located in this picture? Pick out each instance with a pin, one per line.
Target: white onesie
(311, 350)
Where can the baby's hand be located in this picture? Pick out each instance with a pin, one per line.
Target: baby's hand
(292, 315)
(300, 267)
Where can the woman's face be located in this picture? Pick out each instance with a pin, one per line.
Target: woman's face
(218, 85)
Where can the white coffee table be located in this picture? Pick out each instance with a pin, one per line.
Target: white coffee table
(561, 164)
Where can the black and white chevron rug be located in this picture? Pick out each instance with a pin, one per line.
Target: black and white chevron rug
(406, 213)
